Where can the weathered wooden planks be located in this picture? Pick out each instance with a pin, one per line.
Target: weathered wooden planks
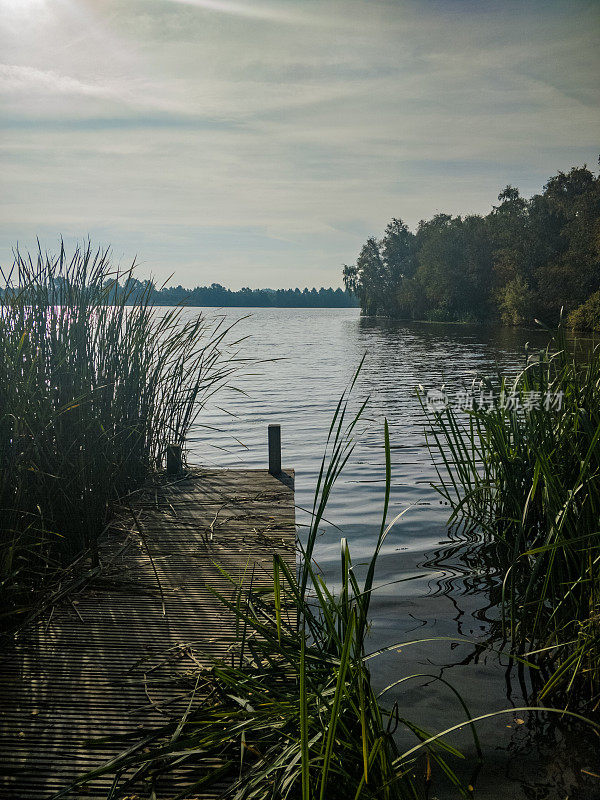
(95, 667)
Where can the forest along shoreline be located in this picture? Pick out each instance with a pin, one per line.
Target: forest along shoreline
(96, 387)
(527, 259)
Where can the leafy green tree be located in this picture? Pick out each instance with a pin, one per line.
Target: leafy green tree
(587, 316)
(410, 300)
(369, 279)
(380, 269)
(511, 238)
(398, 252)
(515, 301)
(571, 273)
(525, 259)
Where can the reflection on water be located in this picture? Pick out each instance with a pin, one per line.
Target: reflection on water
(314, 353)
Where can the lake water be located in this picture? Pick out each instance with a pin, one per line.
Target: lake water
(308, 356)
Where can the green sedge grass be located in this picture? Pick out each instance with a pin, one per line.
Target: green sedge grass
(295, 714)
(529, 480)
(94, 384)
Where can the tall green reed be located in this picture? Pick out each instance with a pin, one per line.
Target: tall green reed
(527, 475)
(294, 714)
(94, 384)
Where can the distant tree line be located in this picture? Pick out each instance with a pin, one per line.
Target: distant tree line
(217, 295)
(526, 259)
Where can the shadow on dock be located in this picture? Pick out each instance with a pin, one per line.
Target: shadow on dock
(97, 664)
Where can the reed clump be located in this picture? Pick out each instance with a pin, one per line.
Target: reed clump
(294, 714)
(94, 384)
(525, 472)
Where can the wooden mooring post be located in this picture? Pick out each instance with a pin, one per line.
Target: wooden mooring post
(174, 460)
(275, 449)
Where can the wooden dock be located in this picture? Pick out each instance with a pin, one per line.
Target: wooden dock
(92, 666)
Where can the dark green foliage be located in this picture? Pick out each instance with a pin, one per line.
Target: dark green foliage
(217, 296)
(587, 316)
(380, 269)
(90, 395)
(525, 259)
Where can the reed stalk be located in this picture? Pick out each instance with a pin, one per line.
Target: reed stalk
(294, 714)
(94, 384)
(527, 477)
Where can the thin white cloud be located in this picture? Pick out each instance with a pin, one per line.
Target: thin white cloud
(251, 10)
(190, 123)
(23, 79)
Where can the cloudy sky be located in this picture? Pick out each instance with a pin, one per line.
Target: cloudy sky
(258, 143)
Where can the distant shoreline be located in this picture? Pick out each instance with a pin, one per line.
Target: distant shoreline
(217, 296)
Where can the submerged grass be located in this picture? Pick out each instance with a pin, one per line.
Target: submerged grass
(527, 475)
(93, 386)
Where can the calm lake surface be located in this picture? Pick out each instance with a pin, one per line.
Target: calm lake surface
(428, 589)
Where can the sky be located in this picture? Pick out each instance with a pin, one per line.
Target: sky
(258, 143)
